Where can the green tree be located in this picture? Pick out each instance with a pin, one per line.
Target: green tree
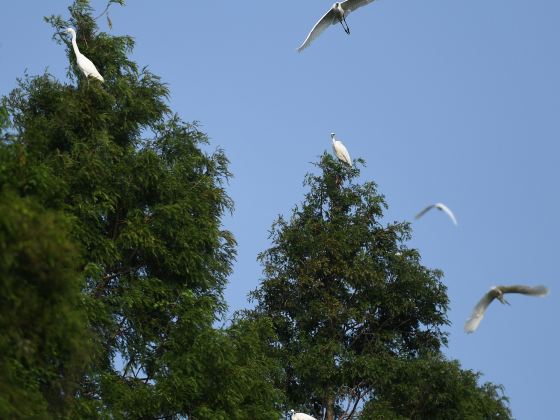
(355, 312)
(435, 388)
(145, 203)
(43, 343)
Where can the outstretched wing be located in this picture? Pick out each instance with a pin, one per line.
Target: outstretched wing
(327, 20)
(447, 211)
(423, 212)
(351, 5)
(526, 290)
(478, 312)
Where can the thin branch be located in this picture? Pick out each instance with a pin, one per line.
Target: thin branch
(104, 11)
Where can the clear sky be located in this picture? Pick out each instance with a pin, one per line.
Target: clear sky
(451, 101)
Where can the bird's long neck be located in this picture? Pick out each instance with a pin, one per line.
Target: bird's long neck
(75, 45)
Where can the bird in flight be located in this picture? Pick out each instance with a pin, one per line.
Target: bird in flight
(84, 63)
(337, 13)
(497, 292)
(340, 151)
(439, 206)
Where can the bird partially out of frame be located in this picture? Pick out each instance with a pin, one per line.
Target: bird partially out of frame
(337, 13)
(497, 292)
(300, 416)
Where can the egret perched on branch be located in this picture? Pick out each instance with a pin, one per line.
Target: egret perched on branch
(337, 13)
(84, 63)
(497, 292)
(340, 151)
(439, 206)
(300, 416)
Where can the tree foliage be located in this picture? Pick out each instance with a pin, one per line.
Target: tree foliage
(354, 309)
(43, 343)
(114, 260)
(145, 203)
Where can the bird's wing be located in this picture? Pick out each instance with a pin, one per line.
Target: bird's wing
(341, 152)
(327, 20)
(351, 5)
(478, 312)
(88, 67)
(423, 212)
(447, 211)
(526, 290)
(345, 155)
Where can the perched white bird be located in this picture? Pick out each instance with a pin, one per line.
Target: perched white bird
(301, 416)
(337, 13)
(84, 63)
(439, 206)
(340, 151)
(497, 292)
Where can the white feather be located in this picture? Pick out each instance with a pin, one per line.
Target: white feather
(439, 206)
(497, 292)
(84, 63)
(301, 416)
(331, 18)
(340, 151)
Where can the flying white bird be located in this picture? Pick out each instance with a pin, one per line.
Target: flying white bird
(337, 13)
(300, 416)
(497, 292)
(84, 63)
(340, 151)
(439, 206)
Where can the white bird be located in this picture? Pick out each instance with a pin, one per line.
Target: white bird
(84, 63)
(439, 206)
(497, 292)
(300, 416)
(341, 151)
(337, 13)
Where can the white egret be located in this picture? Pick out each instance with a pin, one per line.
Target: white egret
(84, 63)
(497, 292)
(439, 206)
(300, 416)
(337, 13)
(340, 151)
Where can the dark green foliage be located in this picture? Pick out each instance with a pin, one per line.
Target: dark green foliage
(145, 204)
(435, 388)
(43, 341)
(351, 305)
(113, 264)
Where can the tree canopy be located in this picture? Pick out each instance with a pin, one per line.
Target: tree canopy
(144, 201)
(114, 259)
(358, 317)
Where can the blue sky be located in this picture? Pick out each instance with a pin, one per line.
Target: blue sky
(447, 101)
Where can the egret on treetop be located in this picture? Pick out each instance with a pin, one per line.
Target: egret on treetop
(300, 416)
(337, 13)
(84, 63)
(340, 151)
(497, 292)
(439, 206)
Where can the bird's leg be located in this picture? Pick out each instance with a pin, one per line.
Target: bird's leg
(343, 22)
(347, 29)
(503, 300)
